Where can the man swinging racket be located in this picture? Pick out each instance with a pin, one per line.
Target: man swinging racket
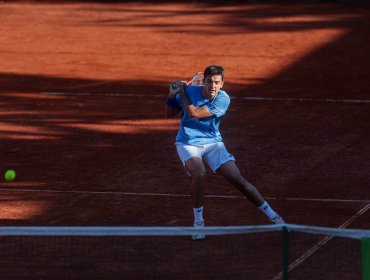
(199, 139)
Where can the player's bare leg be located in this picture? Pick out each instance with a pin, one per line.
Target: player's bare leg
(197, 171)
(231, 173)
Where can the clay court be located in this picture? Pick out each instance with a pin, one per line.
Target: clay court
(82, 91)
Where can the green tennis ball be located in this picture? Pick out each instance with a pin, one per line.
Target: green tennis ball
(10, 175)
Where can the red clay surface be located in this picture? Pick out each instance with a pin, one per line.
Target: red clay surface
(105, 132)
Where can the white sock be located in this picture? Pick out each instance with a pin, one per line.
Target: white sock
(267, 210)
(198, 214)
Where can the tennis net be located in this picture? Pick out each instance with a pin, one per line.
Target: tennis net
(240, 252)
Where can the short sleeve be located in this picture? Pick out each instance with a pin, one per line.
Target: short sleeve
(219, 105)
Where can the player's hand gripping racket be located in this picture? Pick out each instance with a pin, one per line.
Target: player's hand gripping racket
(175, 87)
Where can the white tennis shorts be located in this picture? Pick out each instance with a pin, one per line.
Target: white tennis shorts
(215, 154)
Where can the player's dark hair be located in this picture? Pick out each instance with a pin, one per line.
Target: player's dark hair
(213, 70)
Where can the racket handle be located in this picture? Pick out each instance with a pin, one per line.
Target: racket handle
(175, 85)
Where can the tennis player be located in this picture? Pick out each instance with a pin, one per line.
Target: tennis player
(198, 139)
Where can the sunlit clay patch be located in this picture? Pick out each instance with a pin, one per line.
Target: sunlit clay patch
(131, 126)
(272, 66)
(26, 132)
(34, 96)
(13, 208)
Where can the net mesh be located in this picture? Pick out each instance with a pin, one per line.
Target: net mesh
(169, 253)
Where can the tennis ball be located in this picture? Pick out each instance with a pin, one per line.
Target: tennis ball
(10, 175)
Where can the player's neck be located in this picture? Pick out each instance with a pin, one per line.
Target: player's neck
(207, 95)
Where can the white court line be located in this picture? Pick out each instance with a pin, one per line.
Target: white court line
(321, 243)
(181, 195)
(253, 98)
(88, 85)
(301, 99)
(104, 94)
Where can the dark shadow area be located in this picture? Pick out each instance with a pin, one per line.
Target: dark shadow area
(82, 143)
(338, 70)
(27, 83)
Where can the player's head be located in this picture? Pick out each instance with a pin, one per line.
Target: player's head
(214, 70)
(213, 80)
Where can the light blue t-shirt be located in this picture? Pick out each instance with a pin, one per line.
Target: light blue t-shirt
(205, 130)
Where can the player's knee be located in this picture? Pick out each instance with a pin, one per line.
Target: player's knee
(198, 175)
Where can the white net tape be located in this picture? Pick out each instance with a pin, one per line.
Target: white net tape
(176, 231)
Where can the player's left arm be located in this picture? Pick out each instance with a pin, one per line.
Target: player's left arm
(172, 106)
(171, 109)
(194, 112)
